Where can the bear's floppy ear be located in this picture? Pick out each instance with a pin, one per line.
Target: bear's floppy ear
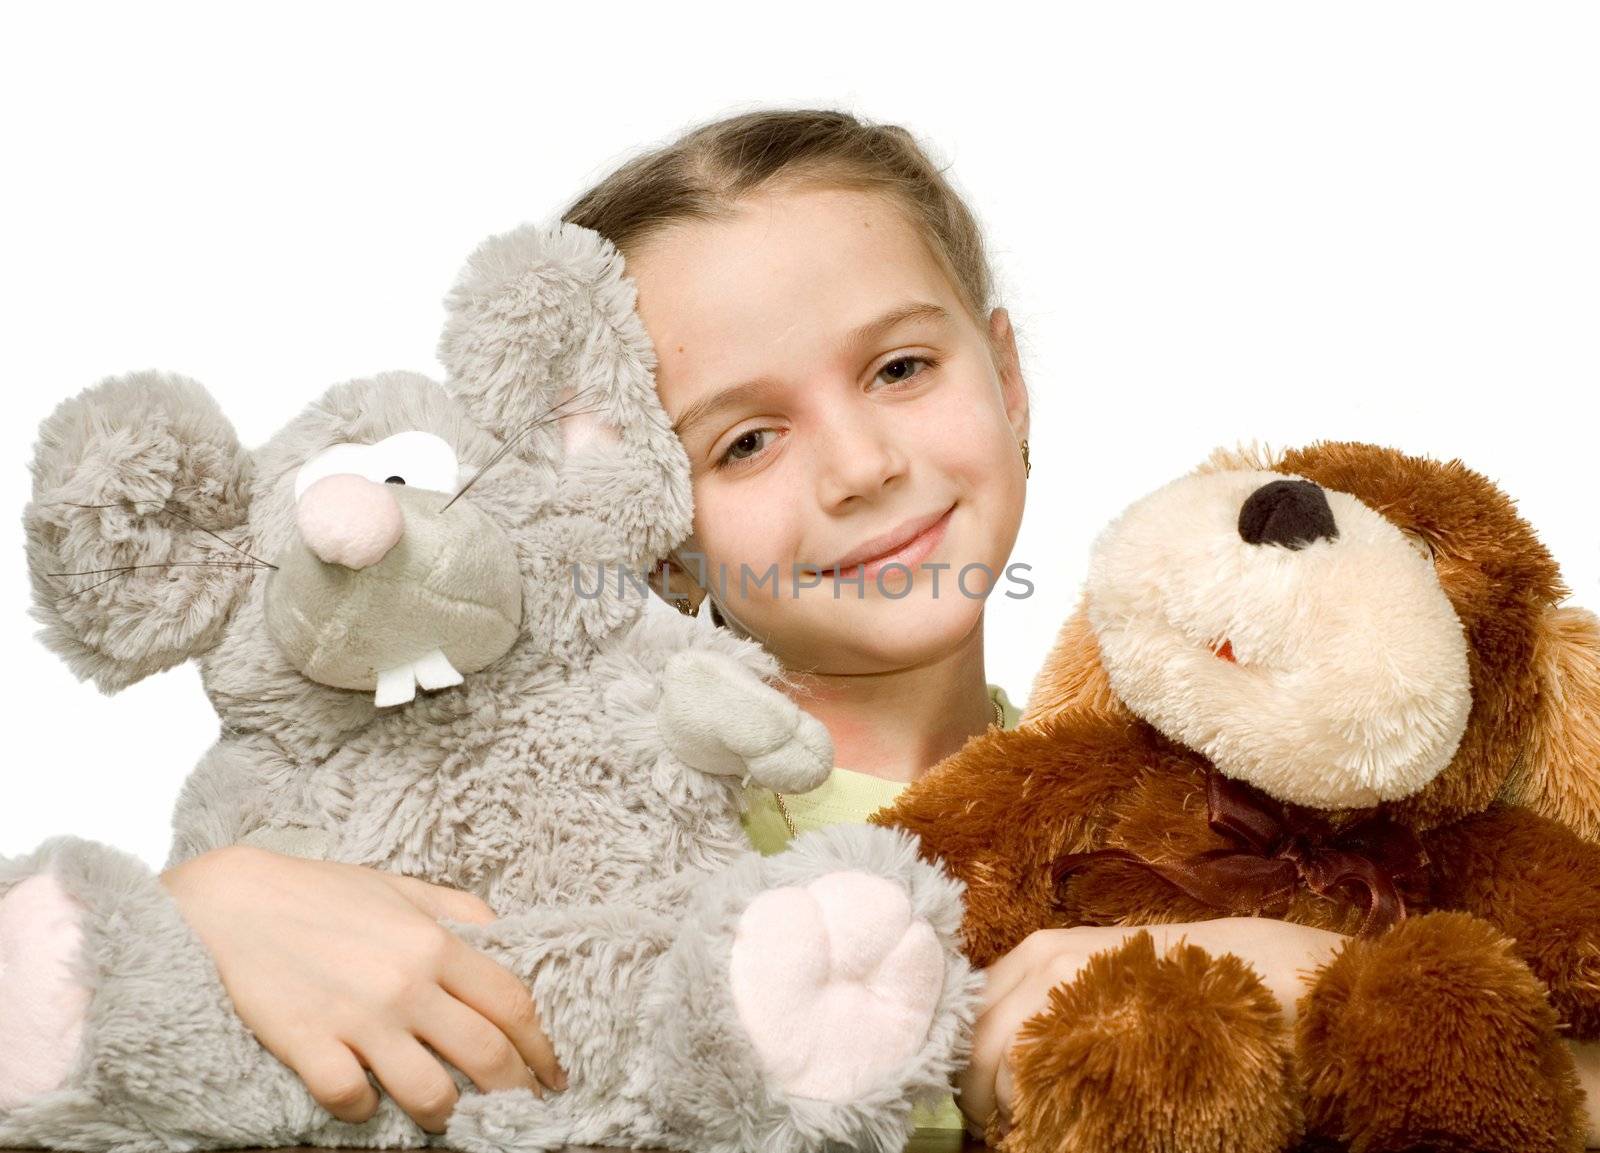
(544, 347)
(1559, 772)
(133, 542)
(1072, 678)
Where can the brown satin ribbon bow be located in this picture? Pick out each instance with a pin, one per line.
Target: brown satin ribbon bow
(1276, 850)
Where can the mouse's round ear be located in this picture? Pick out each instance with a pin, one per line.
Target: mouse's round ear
(544, 347)
(1558, 772)
(133, 535)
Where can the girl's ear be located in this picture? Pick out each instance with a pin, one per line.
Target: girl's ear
(1558, 774)
(135, 535)
(1008, 366)
(677, 577)
(1072, 679)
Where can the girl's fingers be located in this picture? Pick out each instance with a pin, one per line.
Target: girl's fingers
(441, 901)
(1040, 949)
(411, 1075)
(336, 1081)
(1002, 977)
(992, 1039)
(482, 983)
(466, 1039)
(1003, 1090)
(985, 1085)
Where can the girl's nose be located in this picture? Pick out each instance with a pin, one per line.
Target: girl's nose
(349, 520)
(861, 459)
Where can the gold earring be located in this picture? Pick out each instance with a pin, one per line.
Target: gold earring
(684, 606)
(1027, 468)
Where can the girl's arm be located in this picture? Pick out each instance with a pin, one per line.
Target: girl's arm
(334, 967)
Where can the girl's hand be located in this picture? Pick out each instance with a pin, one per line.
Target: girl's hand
(334, 967)
(1017, 986)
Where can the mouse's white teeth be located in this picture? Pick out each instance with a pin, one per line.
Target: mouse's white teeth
(430, 671)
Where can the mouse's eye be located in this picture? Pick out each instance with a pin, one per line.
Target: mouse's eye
(415, 459)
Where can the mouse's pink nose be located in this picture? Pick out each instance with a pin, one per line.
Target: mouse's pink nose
(349, 520)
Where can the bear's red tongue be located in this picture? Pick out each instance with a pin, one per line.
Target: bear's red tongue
(1225, 651)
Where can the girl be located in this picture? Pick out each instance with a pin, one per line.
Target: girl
(849, 397)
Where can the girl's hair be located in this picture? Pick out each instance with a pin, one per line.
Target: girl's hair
(702, 174)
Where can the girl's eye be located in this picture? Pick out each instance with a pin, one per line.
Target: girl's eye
(742, 449)
(749, 444)
(900, 370)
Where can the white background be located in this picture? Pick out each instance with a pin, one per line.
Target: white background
(1211, 223)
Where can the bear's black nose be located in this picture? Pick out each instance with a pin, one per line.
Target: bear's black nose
(1292, 513)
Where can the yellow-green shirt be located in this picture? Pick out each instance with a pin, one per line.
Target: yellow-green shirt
(846, 797)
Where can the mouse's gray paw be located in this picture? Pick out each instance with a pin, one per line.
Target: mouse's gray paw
(717, 716)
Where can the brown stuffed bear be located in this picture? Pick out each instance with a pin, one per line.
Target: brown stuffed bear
(1334, 687)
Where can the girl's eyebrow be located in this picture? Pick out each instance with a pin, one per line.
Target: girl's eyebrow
(738, 394)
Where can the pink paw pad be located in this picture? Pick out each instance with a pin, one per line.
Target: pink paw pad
(42, 1005)
(836, 983)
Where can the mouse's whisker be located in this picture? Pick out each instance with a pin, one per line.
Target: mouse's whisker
(551, 415)
(126, 569)
(190, 521)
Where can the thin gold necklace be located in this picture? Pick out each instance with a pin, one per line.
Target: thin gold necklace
(783, 809)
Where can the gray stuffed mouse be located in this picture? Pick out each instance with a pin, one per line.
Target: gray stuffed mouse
(412, 613)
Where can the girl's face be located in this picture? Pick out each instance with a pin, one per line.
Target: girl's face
(835, 399)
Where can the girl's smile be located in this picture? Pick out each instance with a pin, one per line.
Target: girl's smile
(908, 545)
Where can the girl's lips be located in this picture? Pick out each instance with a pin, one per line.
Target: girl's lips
(910, 554)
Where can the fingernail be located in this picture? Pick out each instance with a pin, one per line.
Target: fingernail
(561, 1078)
